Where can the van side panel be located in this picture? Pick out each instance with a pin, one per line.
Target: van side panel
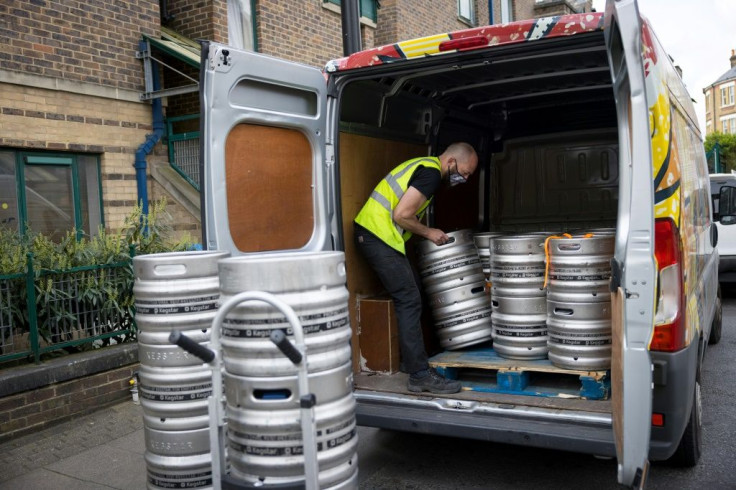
(556, 183)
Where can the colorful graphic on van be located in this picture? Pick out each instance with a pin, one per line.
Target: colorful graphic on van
(468, 39)
(665, 161)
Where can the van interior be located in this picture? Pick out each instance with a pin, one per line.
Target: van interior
(542, 118)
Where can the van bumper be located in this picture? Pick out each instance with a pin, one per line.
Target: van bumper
(674, 385)
(585, 432)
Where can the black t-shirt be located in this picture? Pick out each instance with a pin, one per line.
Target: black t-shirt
(426, 180)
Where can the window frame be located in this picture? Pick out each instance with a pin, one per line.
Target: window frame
(25, 158)
(471, 21)
(727, 94)
(728, 124)
(370, 5)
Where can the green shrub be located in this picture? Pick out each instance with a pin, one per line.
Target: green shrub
(75, 305)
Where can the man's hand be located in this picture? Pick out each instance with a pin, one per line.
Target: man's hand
(437, 236)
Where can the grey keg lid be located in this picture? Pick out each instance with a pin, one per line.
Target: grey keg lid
(518, 244)
(282, 272)
(177, 265)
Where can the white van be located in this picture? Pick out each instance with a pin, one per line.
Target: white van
(726, 230)
(580, 122)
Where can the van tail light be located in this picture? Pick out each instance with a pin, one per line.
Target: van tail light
(463, 43)
(669, 318)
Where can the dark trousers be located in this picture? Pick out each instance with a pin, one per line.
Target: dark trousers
(396, 275)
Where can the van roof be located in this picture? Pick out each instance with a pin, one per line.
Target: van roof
(475, 38)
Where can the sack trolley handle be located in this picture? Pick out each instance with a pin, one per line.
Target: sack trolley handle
(297, 354)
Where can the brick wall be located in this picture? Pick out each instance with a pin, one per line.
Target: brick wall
(36, 409)
(199, 19)
(299, 30)
(400, 20)
(64, 121)
(90, 41)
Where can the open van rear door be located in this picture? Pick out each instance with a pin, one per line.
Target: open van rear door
(266, 176)
(634, 269)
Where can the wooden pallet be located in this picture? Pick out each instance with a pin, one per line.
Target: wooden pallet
(481, 369)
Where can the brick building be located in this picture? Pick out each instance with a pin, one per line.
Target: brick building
(720, 110)
(78, 111)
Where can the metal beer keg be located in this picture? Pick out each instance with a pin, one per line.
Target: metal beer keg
(519, 297)
(579, 302)
(453, 279)
(483, 244)
(264, 436)
(313, 284)
(176, 290)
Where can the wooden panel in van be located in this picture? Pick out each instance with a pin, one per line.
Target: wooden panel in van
(364, 161)
(269, 188)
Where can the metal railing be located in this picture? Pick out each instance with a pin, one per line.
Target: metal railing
(714, 155)
(184, 149)
(45, 311)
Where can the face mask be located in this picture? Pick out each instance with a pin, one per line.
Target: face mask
(456, 179)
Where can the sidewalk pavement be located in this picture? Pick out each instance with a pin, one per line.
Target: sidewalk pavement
(102, 450)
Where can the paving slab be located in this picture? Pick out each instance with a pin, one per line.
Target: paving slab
(105, 466)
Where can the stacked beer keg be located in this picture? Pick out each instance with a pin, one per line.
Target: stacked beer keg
(579, 302)
(180, 291)
(264, 435)
(453, 279)
(517, 268)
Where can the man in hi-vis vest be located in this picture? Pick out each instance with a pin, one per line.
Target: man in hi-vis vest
(388, 219)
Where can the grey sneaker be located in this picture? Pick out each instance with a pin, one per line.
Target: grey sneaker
(434, 383)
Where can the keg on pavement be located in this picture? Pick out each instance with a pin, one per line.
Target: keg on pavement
(313, 284)
(519, 297)
(579, 302)
(179, 291)
(264, 434)
(453, 279)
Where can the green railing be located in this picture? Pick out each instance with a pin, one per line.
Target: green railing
(184, 148)
(714, 155)
(45, 311)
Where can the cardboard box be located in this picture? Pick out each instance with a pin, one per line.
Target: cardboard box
(379, 335)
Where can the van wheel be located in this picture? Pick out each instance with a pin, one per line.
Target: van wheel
(689, 449)
(717, 326)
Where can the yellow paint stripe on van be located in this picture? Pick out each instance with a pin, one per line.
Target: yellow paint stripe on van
(422, 46)
(660, 121)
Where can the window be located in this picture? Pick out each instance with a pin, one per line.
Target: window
(465, 11)
(51, 193)
(727, 95)
(728, 125)
(368, 8)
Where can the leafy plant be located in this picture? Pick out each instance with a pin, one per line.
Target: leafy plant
(83, 287)
(727, 143)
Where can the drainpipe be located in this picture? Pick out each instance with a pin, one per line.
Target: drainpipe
(350, 16)
(490, 12)
(147, 146)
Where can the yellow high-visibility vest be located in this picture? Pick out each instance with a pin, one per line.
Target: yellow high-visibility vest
(377, 213)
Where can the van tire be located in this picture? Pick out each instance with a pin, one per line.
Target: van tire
(717, 325)
(688, 451)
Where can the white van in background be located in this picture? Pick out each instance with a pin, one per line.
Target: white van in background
(726, 232)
